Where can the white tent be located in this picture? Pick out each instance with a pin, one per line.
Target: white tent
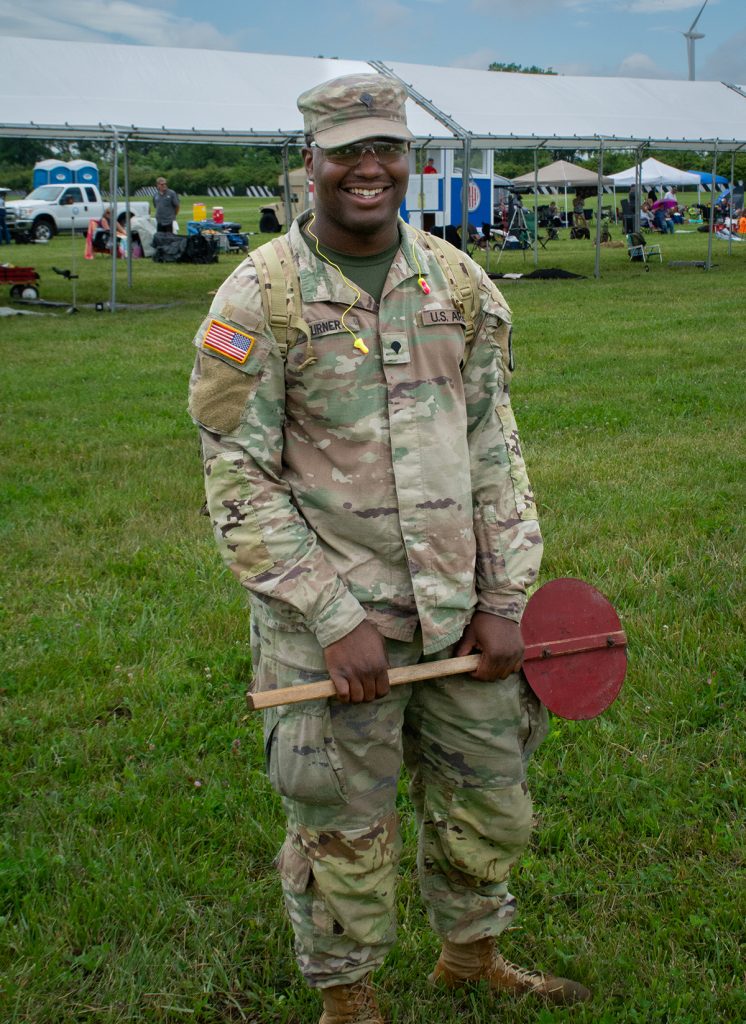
(504, 110)
(653, 172)
(124, 93)
(95, 90)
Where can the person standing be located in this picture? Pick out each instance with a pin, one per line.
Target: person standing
(166, 204)
(4, 230)
(366, 486)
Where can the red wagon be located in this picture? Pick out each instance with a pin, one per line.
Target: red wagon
(22, 281)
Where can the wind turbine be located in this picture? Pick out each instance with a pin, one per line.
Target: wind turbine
(690, 36)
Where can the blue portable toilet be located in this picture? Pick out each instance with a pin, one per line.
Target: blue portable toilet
(41, 172)
(60, 173)
(84, 172)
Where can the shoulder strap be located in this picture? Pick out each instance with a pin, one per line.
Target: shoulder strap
(463, 286)
(280, 292)
(465, 292)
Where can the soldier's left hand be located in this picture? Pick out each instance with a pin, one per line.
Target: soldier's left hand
(498, 641)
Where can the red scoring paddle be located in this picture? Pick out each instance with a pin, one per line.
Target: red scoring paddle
(575, 657)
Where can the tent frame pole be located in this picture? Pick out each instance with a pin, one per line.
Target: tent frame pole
(125, 155)
(711, 232)
(286, 186)
(465, 176)
(114, 187)
(599, 202)
(536, 207)
(732, 177)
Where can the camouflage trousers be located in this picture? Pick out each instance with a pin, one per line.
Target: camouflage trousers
(465, 745)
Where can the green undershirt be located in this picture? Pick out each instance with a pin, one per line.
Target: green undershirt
(368, 272)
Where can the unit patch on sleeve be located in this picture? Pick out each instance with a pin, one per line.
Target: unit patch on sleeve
(228, 341)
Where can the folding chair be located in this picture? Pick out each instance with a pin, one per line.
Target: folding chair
(639, 251)
(528, 217)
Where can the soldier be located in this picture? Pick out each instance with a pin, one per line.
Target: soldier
(366, 486)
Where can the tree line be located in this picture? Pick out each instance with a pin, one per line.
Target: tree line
(192, 168)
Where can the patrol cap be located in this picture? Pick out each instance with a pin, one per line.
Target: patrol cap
(355, 107)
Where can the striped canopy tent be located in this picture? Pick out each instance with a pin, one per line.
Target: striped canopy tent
(561, 174)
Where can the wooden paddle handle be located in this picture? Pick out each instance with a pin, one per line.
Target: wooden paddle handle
(436, 669)
(397, 676)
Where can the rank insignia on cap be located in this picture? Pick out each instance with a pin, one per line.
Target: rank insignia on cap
(366, 99)
(228, 341)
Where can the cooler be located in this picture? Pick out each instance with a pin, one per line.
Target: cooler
(199, 211)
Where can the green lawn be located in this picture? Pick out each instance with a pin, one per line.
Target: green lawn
(138, 830)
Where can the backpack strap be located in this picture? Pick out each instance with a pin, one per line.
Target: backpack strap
(280, 291)
(463, 286)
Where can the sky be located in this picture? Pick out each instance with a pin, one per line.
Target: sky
(632, 38)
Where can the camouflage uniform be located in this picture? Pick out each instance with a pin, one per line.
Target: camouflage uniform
(389, 486)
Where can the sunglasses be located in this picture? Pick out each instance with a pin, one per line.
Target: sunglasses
(385, 151)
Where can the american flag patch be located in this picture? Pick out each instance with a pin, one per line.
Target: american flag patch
(228, 341)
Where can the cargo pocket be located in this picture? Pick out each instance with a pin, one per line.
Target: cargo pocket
(535, 720)
(293, 867)
(491, 570)
(480, 832)
(301, 755)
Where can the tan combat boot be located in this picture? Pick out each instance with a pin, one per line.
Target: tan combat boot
(480, 961)
(351, 1004)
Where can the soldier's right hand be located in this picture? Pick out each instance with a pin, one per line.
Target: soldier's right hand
(358, 665)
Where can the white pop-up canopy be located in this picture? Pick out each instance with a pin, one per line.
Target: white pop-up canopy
(654, 172)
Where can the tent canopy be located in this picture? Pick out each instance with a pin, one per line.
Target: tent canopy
(504, 110)
(61, 89)
(562, 174)
(705, 178)
(653, 172)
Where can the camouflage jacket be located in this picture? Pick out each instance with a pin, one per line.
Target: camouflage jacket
(389, 485)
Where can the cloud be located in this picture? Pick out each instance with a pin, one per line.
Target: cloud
(389, 15)
(108, 21)
(640, 65)
(478, 60)
(661, 6)
(527, 8)
(728, 62)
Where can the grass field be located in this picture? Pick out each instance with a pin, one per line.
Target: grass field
(138, 830)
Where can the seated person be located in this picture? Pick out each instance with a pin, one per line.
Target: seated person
(662, 223)
(646, 215)
(101, 236)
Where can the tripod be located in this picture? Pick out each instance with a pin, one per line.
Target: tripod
(516, 224)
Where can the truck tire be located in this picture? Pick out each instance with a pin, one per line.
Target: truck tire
(43, 229)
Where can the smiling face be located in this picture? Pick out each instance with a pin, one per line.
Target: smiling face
(357, 207)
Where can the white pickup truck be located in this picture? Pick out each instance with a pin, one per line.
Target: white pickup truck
(52, 208)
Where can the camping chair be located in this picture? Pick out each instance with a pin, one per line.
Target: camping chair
(528, 217)
(639, 251)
